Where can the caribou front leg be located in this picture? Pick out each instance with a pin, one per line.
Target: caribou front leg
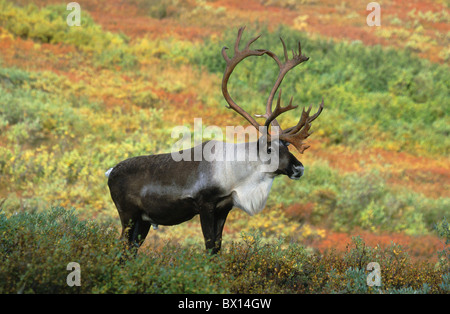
(208, 226)
(220, 217)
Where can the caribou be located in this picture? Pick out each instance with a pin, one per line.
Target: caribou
(157, 190)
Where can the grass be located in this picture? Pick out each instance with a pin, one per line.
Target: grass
(33, 262)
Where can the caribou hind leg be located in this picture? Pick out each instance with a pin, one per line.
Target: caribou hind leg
(134, 228)
(136, 232)
(133, 234)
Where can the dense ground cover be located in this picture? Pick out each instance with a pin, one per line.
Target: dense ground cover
(77, 100)
(35, 250)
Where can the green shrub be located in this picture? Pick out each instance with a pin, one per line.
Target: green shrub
(256, 267)
(49, 25)
(35, 249)
(443, 230)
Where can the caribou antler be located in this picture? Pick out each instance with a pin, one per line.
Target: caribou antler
(294, 135)
(231, 64)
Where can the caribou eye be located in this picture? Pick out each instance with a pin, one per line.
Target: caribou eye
(285, 143)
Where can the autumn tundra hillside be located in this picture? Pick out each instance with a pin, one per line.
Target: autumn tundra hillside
(76, 100)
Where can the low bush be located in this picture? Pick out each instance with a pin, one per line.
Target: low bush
(443, 230)
(36, 248)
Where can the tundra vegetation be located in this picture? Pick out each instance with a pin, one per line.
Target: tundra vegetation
(74, 101)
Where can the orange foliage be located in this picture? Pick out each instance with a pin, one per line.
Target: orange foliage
(420, 248)
(299, 212)
(426, 175)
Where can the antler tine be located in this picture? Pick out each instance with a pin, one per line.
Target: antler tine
(279, 110)
(284, 50)
(305, 118)
(238, 40)
(251, 41)
(311, 119)
(225, 56)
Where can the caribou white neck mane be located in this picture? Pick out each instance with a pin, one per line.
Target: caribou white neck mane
(249, 185)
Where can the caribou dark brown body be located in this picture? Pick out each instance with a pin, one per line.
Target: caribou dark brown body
(156, 190)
